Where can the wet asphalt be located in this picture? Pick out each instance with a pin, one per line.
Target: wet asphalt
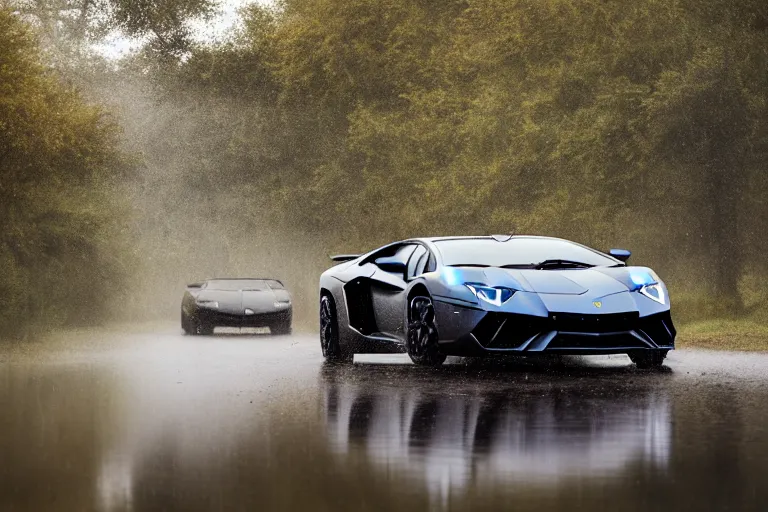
(148, 419)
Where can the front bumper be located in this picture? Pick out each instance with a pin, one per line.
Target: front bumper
(564, 333)
(218, 319)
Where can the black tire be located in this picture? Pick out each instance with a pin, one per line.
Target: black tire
(194, 327)
(647, 359)
(329, 332)
(186, 325)
(203, 328)
(421, 336)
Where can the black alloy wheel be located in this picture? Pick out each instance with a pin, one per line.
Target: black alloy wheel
(421, 339)
(329, 332)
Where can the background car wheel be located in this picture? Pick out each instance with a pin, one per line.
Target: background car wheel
(186, 325)
(280, 328)
(648, 358)
(421, 339)
(203, 328)
(329, 332)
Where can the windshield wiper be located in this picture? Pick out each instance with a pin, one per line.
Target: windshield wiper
(560, 264)
(478, 265)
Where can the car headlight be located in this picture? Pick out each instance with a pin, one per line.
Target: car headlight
(642, 277)
(282, 304)
(496, 295)
(648, 283)
(654, 292)
(208, 304)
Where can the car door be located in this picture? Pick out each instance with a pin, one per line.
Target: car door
(388, 290)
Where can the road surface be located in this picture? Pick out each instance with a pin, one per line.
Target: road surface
(153, 420)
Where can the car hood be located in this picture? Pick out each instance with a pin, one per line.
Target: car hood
(596, 282)
(236, 302)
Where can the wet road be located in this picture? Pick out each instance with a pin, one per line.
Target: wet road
(158, 421)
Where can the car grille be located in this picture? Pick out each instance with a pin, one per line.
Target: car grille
(507, 330)
(598, 324)
(577, 341)
(510, 331)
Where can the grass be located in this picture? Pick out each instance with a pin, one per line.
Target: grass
(721, 334)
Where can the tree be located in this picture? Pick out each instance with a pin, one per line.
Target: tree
(69, 28)
(60, 169)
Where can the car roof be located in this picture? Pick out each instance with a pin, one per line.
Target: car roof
(498, 238)
(506, 238)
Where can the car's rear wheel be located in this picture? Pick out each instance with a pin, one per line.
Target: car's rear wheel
(329, 332)
(421, 338)
(646, 359)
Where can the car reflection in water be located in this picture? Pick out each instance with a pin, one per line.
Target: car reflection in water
(455, 434)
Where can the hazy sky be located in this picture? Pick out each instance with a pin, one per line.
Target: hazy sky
(117, 46)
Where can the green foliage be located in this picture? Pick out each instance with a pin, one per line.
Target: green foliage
(571, 118)
(59, 171)
(69, 27)
(636, 123)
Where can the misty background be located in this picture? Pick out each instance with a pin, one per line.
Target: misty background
(139, 152)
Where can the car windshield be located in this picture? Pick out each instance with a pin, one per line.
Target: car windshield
(523, 251)
(236, 284)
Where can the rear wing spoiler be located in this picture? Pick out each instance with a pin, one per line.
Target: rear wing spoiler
(344, 257)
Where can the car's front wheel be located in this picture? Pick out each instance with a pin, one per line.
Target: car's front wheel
(646, 359)
(186, 324)
(329, 332)
(421, 338)
(193, 326)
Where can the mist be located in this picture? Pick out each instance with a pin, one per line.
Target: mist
(312, 128)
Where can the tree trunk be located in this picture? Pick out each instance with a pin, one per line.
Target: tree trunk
(726, 255)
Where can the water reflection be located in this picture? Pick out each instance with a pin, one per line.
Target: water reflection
(454, 434)
(219, 424)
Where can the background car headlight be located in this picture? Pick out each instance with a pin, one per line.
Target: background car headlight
(282, 304)
(208, 304)
(654, 292)
(496, 295)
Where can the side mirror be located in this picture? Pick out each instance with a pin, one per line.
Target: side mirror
(620, 254)
(390, 264)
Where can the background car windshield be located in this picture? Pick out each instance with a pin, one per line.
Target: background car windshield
(236, 284)
(517, 251)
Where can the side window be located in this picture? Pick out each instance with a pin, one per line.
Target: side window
(421, 267)
(404, 252)
(431, 263)
(417, 262)
(399, 254)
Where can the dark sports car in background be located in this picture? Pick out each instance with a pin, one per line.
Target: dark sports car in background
(501, 294)
(236, 303)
